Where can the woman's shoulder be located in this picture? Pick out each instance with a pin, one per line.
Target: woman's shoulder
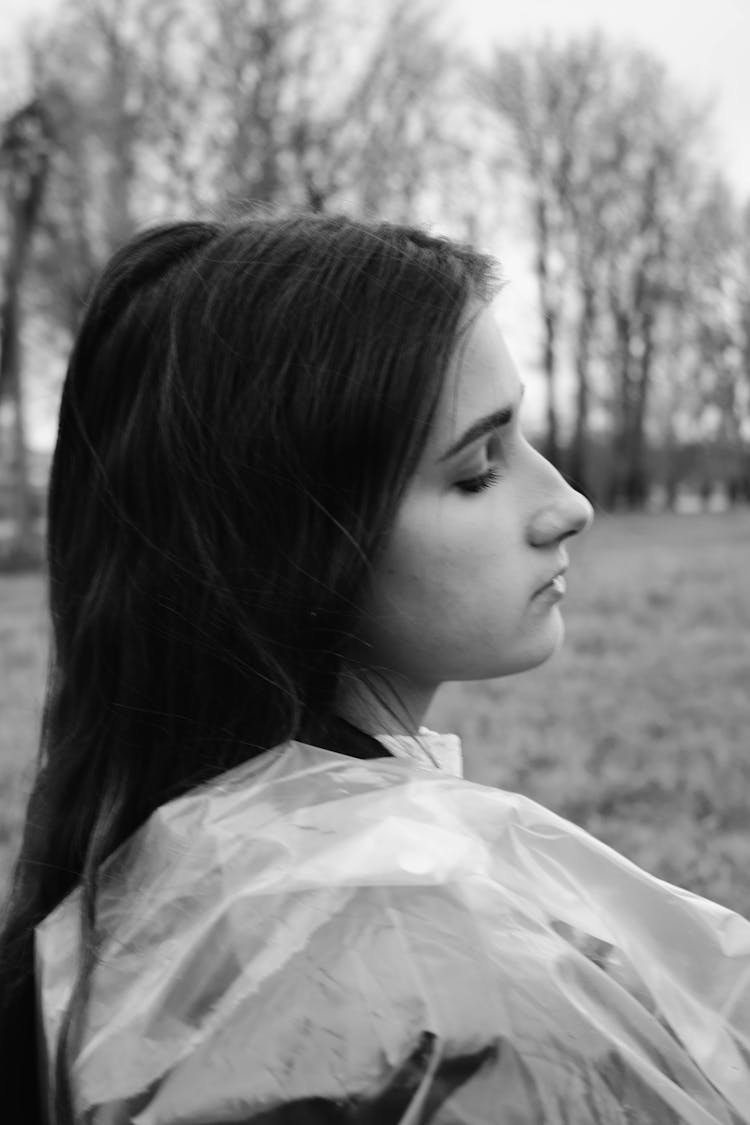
(337, 920)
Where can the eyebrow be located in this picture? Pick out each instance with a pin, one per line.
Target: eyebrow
(482, 426)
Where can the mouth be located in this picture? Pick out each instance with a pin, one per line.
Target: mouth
(556, 583)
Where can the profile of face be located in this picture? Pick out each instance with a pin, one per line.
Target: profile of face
(462, 589)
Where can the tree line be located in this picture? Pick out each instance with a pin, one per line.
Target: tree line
(140, 110)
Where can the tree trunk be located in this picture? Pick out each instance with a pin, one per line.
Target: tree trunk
(577, 462)
(24, 154)
(10, 381)
(636, 476)
(552, 442)
(550, 318)
(621, 437)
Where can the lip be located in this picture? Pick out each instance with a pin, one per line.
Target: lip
(552, 583)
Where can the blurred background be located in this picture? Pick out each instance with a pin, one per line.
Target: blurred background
(601, 153)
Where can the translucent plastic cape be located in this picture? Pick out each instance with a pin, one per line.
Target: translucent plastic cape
(312, 938)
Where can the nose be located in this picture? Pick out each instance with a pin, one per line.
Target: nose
(562, 512)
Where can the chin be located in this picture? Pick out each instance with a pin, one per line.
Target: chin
(480, 658)
(536, 651)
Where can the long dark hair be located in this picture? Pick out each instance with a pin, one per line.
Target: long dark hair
(242, 411)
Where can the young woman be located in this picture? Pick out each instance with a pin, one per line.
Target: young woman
(291, 497)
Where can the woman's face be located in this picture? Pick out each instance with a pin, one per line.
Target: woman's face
(462, 590)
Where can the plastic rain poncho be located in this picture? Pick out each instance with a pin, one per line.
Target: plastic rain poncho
(312, 938)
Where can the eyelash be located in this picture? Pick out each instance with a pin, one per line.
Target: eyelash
(478, 484)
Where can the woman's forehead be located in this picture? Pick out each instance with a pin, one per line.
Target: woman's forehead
(482, 379)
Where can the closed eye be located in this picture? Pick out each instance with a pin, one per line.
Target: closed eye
(481, 482)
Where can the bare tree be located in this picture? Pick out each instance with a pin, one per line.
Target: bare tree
(543, 94)
(90, 71)
(656, 130)
(605, 149)
(201, 105)
(743, 309)
(163, 108)
(325, 127)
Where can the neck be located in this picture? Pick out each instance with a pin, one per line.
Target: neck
(393, 706)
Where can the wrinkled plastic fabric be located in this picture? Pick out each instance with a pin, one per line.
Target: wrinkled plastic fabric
(312, 938)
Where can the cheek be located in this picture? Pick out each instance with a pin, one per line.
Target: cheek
(428, 561)
(450, 576)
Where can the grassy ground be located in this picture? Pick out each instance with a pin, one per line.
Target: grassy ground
(639, 729)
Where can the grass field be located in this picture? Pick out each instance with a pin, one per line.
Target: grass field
(639, 729)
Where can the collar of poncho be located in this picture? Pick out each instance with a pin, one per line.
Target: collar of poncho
(429, 748)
